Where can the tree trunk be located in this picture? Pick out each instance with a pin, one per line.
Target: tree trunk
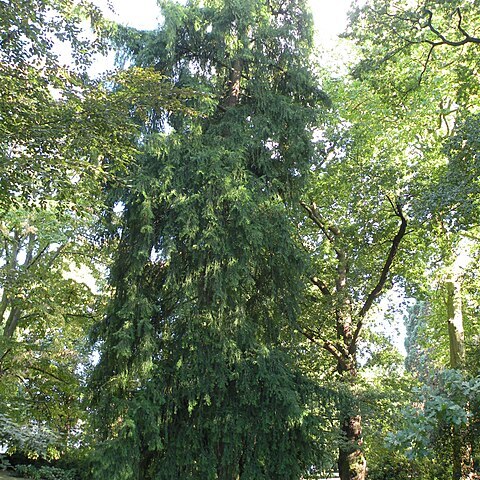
(351, 461)
(229, 470)
(352, 464)
(455, 325)
(233, 96)
(349, 324)
(461, 457)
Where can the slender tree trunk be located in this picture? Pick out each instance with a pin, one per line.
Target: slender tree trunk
(461, 450)
(455, 325)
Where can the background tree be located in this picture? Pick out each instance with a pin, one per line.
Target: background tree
(421, 61)
(355, 227)
(64, 137)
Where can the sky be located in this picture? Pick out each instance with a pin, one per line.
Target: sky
(330, 18)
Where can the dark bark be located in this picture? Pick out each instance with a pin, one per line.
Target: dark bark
(227, 472)
(456, 454)
(467, 38)
(380, 286)
(233, 96)
(12, 322)
(352, 464)
(145, 463)
(461, 447)
(351, 461)
(455, 325)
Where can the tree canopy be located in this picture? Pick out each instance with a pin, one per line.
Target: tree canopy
(205, 253)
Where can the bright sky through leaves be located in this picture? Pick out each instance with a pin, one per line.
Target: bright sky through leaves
(330, 15)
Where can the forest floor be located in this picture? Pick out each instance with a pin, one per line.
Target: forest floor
(5, 476)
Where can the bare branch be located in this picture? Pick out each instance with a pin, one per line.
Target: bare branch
(325, 344)
(459, 26)
(313, 214)
(377, 290)
(444, 40)
(393, 205)
(330, 231)
(5, 353)
(321, 286)
(425, 65)
(46, 372)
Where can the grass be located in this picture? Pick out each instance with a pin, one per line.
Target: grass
(8, 476)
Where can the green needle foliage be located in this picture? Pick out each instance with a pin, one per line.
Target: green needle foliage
(195, 379)
(63, 138)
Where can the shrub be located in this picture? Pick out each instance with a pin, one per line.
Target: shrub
(45, 473)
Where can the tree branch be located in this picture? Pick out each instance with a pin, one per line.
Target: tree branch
(321, 286)
(459, 26)
(4, 354)
(444, 40)
(32, 260)
(377, 290)
(45, 372)
(313, 215)
(425, 65)
(330, 232)
(30, 248)
(3, 303)
(325, 344)
(12, 322)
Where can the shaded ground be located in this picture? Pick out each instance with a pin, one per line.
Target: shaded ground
(5, 476)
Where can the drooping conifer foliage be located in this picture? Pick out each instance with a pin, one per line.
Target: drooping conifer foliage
(195, 380)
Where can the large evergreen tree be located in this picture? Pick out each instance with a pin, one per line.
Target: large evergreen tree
(195, 380)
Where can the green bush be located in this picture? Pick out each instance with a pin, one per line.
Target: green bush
(4, 462)
(33, 440)
(45, 473)
(395, 466)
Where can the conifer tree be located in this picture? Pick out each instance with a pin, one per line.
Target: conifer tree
(195, 380)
